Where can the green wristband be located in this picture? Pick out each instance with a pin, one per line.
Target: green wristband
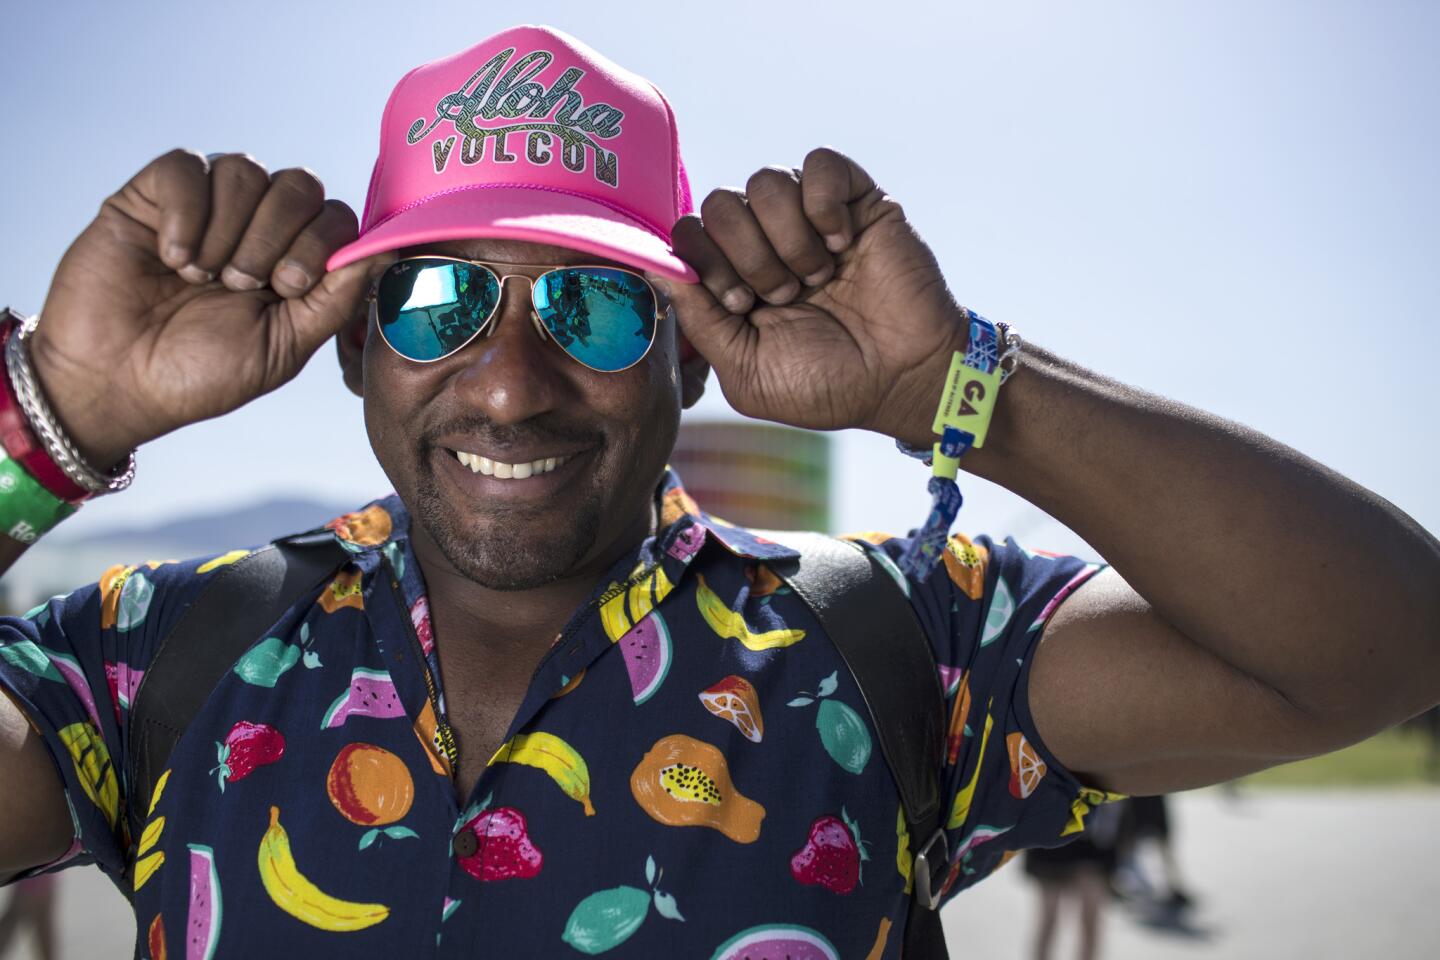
(26, 508)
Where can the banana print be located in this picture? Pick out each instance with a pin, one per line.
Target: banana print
(558, 759)
(731, 625)
(296, 895)
(961, 810)
(93, 767)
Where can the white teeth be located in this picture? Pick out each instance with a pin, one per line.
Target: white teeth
(508, 471)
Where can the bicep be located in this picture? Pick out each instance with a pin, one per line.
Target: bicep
(1129, 704)
(35, 826)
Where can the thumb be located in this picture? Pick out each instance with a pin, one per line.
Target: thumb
(723, 338)
(334, 302)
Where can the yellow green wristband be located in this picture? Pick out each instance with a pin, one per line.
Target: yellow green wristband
(27, 509)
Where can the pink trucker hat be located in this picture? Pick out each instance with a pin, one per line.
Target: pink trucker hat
(528, 135)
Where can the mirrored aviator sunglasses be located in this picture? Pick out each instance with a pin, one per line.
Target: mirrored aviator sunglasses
(429, 307)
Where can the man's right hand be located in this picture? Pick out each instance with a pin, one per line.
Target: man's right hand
(199, 286)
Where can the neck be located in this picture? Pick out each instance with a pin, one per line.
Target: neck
(522, 623)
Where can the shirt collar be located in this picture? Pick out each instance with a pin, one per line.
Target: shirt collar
(384, 524)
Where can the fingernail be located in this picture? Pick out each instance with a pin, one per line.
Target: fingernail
(194, 274)
(174, 253)
(239, 280)
(785, 294)
(737, 299)
(293, 276)
(819, 276)
(835, 242)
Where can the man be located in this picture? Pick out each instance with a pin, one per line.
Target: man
(548, 705)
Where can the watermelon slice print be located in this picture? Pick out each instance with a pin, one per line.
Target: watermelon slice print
(648, 652)
(777, 941)
(202, 932)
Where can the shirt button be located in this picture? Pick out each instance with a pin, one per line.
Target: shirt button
(465, 843)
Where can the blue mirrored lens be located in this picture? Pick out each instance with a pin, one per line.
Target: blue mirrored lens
(429, 308)
(604, 318)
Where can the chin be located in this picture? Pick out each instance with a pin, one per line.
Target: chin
(509, 549)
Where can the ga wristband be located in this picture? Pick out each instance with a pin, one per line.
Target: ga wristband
(962, 420)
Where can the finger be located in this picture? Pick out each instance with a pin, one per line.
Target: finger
(330, 306)
(178, 184)
(303, 262)
(237, 182)
(774, 197)
(294, 198)
(693, 245)
(721, 337)
(829, 181)
(729, 222)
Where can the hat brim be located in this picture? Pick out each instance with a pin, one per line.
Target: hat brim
(521, 213)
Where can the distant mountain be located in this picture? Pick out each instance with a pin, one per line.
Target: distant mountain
(206, 533)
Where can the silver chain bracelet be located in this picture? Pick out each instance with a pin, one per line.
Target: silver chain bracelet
(42, 420)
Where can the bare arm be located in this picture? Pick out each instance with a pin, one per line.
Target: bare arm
(1274, 610)
(1286, 611)
(178, 303)
(38, 828)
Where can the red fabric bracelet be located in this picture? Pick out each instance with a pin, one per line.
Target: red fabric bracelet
(24, 447)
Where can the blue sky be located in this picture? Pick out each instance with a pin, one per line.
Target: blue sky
(1231, 203)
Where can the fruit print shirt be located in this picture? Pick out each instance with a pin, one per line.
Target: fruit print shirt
(692, 772)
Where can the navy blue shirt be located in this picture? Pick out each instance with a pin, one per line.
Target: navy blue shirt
(692, 771)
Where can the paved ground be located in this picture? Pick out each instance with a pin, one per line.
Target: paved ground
(1282, 876)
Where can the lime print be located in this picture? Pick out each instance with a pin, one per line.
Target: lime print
(1000, 612)
(292, 891)
(607, 918)
(558, 759)
(843, 733)
(263, 664)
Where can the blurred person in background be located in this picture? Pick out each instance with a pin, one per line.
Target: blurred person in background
(1076, 877)
(32, 907)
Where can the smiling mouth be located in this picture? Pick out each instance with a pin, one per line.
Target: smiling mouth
(509, 471)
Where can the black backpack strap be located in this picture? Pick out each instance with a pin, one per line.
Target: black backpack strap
(869, 619)
(241, 602)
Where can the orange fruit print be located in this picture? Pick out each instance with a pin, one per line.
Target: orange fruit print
(734, 699)
(369, 785)
(1026, 767)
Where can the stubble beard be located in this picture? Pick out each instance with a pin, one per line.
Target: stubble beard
(508, 555)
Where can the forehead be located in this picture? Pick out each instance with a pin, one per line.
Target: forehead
(507, 251)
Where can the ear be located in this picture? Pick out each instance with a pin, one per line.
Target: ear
(350, 348)
(694, 371)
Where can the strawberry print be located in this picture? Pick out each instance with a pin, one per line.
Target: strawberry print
(832, 855)
(247, 746)
(503, 848)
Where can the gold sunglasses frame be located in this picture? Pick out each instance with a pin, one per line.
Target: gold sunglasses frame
(490, 323)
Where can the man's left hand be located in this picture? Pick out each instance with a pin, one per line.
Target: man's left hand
(818, 304)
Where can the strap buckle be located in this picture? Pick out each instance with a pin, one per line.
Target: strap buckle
(929, 880)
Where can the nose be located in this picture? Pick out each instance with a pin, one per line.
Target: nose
(510, 374)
